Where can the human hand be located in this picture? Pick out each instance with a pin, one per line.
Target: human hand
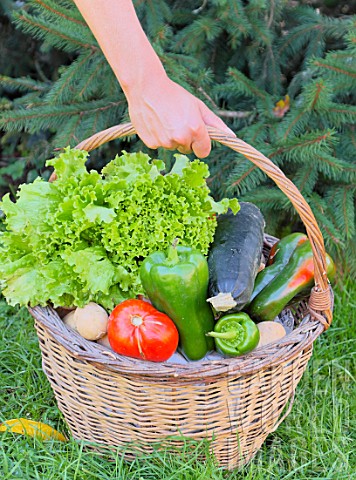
(164, 114)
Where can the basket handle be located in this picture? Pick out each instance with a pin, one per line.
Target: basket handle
(320, 301)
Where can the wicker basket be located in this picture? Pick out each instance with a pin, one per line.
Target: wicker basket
(119, 401)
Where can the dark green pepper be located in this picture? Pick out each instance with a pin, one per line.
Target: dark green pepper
(296, 277)
(176, 282)
(235, 334)
(279, 256)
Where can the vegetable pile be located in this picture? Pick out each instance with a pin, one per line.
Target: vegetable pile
(98, 241)
(82, 238)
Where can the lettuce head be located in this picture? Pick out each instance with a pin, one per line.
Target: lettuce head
(83, 237)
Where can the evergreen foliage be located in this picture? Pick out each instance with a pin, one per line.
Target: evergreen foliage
(26, 72)
(280, 73)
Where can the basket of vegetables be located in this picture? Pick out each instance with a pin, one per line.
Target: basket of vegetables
(162, 314)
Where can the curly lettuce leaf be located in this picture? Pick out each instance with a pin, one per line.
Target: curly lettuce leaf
(70, 164)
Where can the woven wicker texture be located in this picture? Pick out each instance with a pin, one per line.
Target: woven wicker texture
(113, 400)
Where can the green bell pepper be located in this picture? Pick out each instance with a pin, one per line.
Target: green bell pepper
(235, 334)
(176, 282)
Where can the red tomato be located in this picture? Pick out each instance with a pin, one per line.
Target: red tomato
(138, 330)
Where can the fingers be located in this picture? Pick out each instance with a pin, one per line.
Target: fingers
(183, 131)
(198, 142)
(153, 141)
(201, 145)
(184, 150)
(213, 120)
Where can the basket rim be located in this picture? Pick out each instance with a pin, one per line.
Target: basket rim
(283, 350)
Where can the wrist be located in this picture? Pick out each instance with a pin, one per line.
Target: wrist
(147, 75)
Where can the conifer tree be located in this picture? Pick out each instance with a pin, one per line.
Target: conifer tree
(281, 74)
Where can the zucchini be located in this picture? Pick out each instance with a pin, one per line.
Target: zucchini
(234, 258)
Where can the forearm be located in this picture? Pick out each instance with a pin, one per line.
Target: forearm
(163, 113)
(118, 31)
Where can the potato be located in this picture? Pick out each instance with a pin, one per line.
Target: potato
(270, 332)
(104, 341)
(91, 321)
(70, 320)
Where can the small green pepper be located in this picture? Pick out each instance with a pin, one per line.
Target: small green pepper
(235, 334)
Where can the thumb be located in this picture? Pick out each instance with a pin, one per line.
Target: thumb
(212, 120)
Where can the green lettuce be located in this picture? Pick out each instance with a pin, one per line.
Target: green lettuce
(83, 237)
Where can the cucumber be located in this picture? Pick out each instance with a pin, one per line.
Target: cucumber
(234, 258)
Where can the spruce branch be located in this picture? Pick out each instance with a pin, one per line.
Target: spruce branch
(335, 68)
(245, 176)
(311, 142)
(316, 46)
(295, 123)
(55, 9)
(341, 55)
(23, 84)
(235, 18)
(255, 134)
(262, 34)
(342, 203)
(296, 38)
(270, 198)
(61, 91)
(200, 31)
(75, 78)
(88, 83)
(340, 115)
(317, 95)
(51, 116)
(40, 72)
(223, 113)
(324, 218)
(335, 168)
(28, 100)
(56, 36)
(196, 11)
(271, 14)
(157, 13)
(219, 174)
(271, 72)
(314, 97)
(69, 135)
(232, 114)
(244, 85)
(305, 179)
(238, 182)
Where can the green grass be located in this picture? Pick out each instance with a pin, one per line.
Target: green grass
(315, 441)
